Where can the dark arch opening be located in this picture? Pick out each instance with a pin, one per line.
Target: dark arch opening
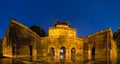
(13, 50)
(62, 52)
(93, 50)
(52, 51)
(30, 50)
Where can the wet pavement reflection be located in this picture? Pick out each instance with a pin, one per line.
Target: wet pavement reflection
(49, 60)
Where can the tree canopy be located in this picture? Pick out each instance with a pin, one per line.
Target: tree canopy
(38, 30)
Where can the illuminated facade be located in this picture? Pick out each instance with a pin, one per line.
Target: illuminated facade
(61, 42)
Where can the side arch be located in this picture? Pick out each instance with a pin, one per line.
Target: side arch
(52, 51)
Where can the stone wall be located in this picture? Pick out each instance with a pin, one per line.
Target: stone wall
(19, 40)
(57, 43)
(99, 44)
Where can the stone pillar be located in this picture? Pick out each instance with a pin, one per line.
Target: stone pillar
(7, 49)
(113, 52)
(69, 54)
(89, 52)
(34, 51)
(57, 54)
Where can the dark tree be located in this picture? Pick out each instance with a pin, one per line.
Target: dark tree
(116, 37)
(38, 30)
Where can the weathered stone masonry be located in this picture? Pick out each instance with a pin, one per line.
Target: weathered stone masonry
(20, 41)
(100, 44)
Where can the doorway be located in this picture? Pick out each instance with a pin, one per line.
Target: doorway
(62, 52)
(93, 51)
(30, 50)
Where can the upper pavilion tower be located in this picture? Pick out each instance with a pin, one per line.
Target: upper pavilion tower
(62, 29)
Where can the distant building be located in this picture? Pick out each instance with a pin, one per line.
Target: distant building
(61, 42)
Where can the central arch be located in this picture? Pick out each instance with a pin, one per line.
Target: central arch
(62, 52)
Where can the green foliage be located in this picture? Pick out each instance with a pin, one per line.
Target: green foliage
(38, 30)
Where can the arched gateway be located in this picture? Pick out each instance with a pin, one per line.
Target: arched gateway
(62, 52)
(62, 38)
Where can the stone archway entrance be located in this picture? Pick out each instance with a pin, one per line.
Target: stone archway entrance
(62, 52)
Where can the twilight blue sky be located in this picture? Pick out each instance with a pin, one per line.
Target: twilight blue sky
(87, 16)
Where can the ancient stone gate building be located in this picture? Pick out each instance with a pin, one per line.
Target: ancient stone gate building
(61, 42)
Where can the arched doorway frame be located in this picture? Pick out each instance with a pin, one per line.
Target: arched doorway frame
(62, 52)
(52, 51)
